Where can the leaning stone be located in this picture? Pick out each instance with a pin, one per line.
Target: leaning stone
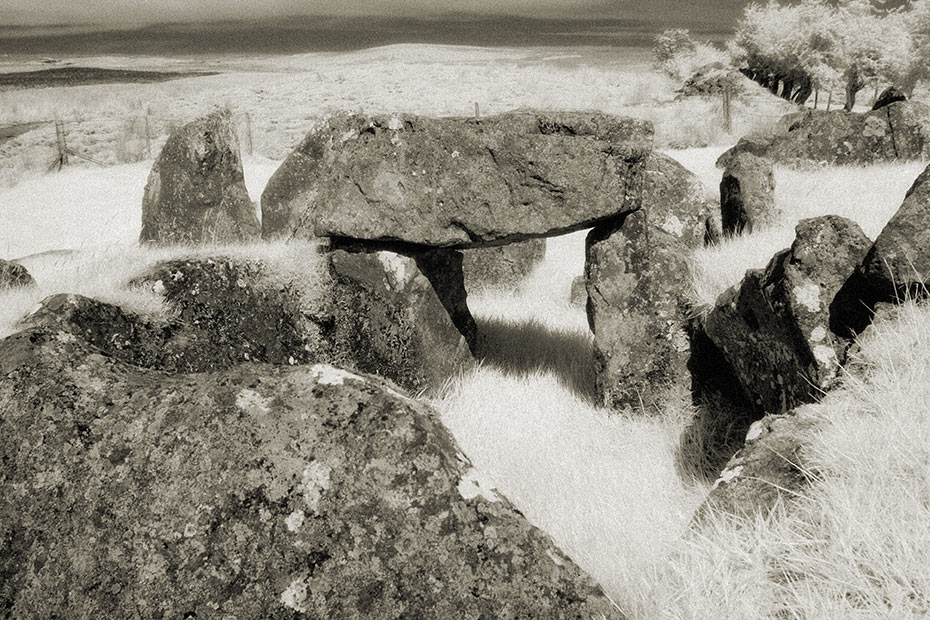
(389, 319)
(256, 492)
(898, 264)
(14, 275)
(778, 328)
(457, 183)
(747, 194)
(503, 266)
(910, 128)
(196, 191)
(636, 273)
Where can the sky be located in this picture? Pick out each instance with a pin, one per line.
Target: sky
(128, 12)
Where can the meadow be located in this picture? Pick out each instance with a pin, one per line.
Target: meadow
(614, 491)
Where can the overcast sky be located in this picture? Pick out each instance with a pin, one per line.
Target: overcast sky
(24, 12)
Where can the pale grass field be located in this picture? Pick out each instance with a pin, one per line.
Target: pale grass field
(285, 97)
(608, 488)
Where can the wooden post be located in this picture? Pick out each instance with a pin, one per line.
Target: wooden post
(816, 97)
(148, 138)
(727, 119)
(62, 144)
(477, 115)
(248, 129)
(829, 100)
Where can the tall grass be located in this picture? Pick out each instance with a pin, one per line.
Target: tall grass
(855, 545)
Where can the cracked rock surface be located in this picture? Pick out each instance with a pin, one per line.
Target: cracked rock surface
(258, 492)
(457, 183)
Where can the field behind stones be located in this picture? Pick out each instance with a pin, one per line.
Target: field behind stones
(610, 489)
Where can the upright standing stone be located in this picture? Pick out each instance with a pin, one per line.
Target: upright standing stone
(636, 275)
(747, 194)
(196, 191)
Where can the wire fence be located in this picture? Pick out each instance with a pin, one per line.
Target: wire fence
(104, 141)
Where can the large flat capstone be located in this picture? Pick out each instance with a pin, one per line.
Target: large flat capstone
(458, 182)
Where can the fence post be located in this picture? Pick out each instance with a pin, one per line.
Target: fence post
(829, 99)
(816, 97)
(248, 129)
(148, 138)
(477, 114)
(727, 118)
(62, 144)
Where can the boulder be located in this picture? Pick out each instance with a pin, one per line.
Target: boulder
(713, 79)
(899, 261)
(753, 144)
(196, 192)
(747, 194)
(636, 273)
(13, 275)
(223, 311)
(889, 95)
(252, 493)
(503, 266)
(778, 328)
(457, 183)
(768, 469)
(899, 130)
(390, 319)
(579, 292)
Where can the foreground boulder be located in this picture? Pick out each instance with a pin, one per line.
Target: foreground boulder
(503, 266)
(196, 191)
(257, 492)
(898, 264)
(779, 329)
(372, 315)
(636, 273)
(457, 182)
(899, 130)
(13, 275)
(747, 194)
(770, 468)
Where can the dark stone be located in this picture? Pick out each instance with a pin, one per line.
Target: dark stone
(776, 330)
(13, 275)
(898, 264)
(503, 266)
(457, 183)
(196, 191)
(747, 194)
(636, 272)
(754, 145)
(259, 492)
(889, 95)
(395, 319)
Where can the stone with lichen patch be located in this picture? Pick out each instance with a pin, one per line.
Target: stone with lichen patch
(780, 329)
(771, 466)
(128, 492)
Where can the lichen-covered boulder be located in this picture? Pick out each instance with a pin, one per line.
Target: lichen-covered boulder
(636, 273)
(899, 262)
(457, 183)
(196, 191)
(897, 131)
(770, 467)
(401, 317)
(14, 275)
(259, 492)
(778, 329)
(503, 266)
(747, 194)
